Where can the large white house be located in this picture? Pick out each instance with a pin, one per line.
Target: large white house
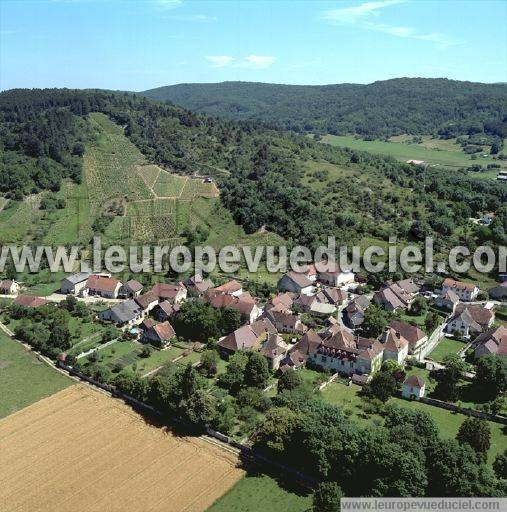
(465, 291)
(331, 274)
(469, 319)
(296, 282)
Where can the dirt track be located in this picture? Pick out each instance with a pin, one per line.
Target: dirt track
(80, 450)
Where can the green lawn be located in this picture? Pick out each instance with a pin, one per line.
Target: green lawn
(23, 378)
(412, 319)
(404, 152)
(449, 423)
(352, 404)
(447, 346)
(260, 493)
(156, 359)
(356, 408)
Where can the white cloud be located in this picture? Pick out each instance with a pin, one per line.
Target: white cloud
(167, 4)
(361, 15)
(358, 12)
(249, 62)
(220, 61)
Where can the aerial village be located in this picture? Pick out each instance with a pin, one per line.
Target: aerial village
(315, 320)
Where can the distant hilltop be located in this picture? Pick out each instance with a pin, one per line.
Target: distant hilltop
(416, 106)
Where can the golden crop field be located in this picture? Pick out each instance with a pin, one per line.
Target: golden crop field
(80, 450)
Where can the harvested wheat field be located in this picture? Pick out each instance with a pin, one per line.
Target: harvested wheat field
(80, 450)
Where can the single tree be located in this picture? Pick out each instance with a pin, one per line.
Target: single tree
(431, 322)
(449, 377)
(375, 321)
(327, 497)
(500, 465)
(198, 408)
(234, 375)
(477, 434)
(383, 385)
(289, 380)
(256, 370)
(209, 362)
(419, 306)
(491, 375)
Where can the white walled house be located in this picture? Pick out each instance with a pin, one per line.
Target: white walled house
(131, 289)
(417, 339)
(74, 284)
(333, 275)
(413, 387)
(9, 287)
(147, 301)
(104, 286)
(296, 283)
(470, 319)
(465, 291)
(395, 345)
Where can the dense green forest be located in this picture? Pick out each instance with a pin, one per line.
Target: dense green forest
(415, 106)
(287, 183)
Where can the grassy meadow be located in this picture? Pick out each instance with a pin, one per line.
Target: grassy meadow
(261, 492)
(432, 151)
(24, 379)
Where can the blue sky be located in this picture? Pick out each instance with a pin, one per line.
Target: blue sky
(136, 45)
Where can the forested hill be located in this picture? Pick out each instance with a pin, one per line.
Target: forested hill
(302, 190)
(416, 106)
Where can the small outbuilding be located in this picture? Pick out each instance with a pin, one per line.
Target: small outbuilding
(413, 387)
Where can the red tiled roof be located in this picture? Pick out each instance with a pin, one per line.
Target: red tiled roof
(410, 332)
(414, 381)
(146, 299)
(148, 323)
(285, 299)
(164, 330)
(244, 303)
(479, 314)
(393, 340)
(30, 301)
(262, 326)
(166, 290)
(309, 343)
(168, 308)
(242, 338)
(460, 285)
(134, 285)
(494, 340)
(102, 283)
(229, 287)
(300, 279)
(274, 346)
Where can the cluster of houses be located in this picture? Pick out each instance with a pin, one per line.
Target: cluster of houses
(395, 296)
(162, 302)
(334, 347)
(277, 329)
